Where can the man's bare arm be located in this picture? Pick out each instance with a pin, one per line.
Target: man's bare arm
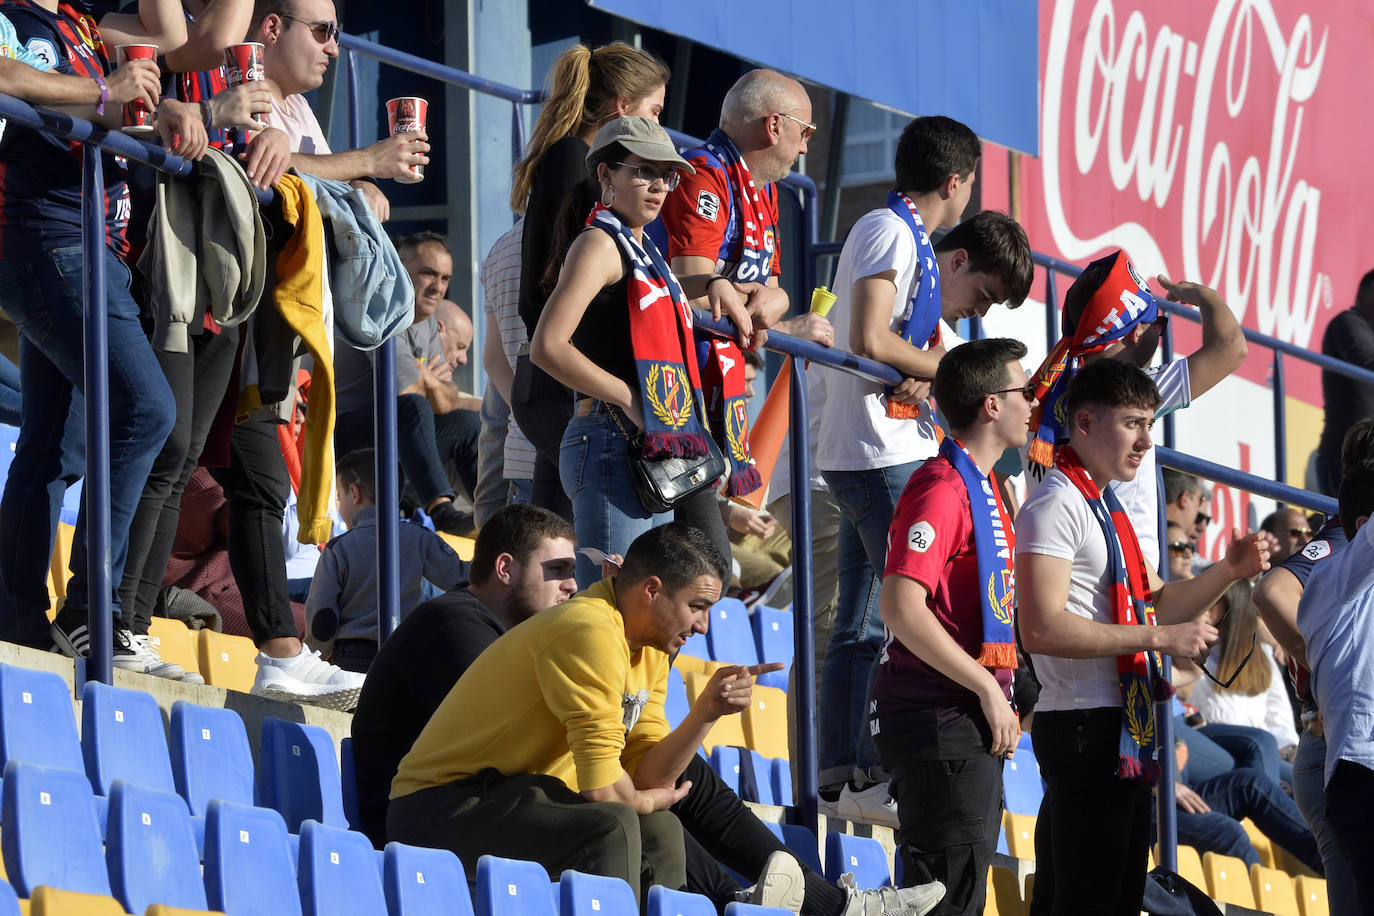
(1223, 340)
(1276, 598)
(220, 24)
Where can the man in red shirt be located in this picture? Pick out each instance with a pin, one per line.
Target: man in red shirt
(942, 719)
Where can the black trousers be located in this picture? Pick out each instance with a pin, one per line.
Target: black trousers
(542, 407)
(1349, 797)
(198, 379)
(1093, 833)
(948, 790)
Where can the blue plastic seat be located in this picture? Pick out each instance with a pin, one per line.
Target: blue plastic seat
(348, 777)
(150, 850)
(800, 840)
(730, 637)
(782, 782)
(749, 909)
(1021, 783)
(122, 737)
(725, 761)
(9, 900)
(675, 706)
(298, 774)
(420, 881)
(756, 777)
(337, 873)
(861, 856)
(36, 721)
(249, 867)
(595, 895)
(512, 887)
(773, 637)
(210, 756)
(51, 834)
(666, 902)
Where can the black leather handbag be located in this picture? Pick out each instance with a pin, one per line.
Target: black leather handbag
(662, 483)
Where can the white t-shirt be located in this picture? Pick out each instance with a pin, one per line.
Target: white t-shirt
(856, 433)
(1139, 497)
(1269, 711)
(1057, 522)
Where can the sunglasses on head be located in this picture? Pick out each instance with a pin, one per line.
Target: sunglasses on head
(324, 31)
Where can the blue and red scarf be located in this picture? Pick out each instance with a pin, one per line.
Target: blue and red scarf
(722, 381)
(661, 337)
(1119, 305)
(755, 236)
(994, 544)
(921, 322)
(1142, 684)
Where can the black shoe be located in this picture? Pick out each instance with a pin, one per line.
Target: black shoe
(72, 637)
(451, 520)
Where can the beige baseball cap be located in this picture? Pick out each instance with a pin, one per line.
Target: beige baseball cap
(641, 136)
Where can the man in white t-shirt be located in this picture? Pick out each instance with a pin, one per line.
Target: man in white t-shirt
(893, 292)
(1179, 381)
(1085, 620)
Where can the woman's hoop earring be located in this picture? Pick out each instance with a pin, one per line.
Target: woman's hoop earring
(611, 190)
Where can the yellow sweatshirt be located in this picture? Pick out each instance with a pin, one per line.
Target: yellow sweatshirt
(561, 695)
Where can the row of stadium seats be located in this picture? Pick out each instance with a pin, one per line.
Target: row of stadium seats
(738, 636)
(762, 726)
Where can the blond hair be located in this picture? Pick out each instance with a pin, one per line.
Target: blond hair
(583, 88)
(1238, 633)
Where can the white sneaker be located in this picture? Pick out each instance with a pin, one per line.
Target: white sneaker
(307, 678)
(890, 901)
(873, 805)
(781, 884)
(144, 659)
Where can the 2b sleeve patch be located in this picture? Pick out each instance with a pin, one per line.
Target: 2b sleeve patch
(708, 205)
(920, 536)
(1317, 550)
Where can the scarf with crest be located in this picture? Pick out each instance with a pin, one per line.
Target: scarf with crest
(1142, 685)
(722, 380)
(994, 544)
(921, 322)
(1120, 304)
(661, 338)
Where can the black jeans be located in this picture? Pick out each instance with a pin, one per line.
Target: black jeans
(948, 790)
(198, 379)
(702, 510)
(1349, 797)
(425, 441)
(1093, 833)
(542, 407)
(256, 486)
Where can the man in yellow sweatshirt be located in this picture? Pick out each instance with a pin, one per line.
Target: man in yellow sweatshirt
(554, 746)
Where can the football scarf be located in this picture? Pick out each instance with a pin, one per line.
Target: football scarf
(722, 381)
(755, 233)
(1141, 683)
(660, 336)
(1119, 305)
(994, 543)
(921, 322)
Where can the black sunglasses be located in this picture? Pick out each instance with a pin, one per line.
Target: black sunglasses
(1202, 662)
(1184, 547)
(324, 32)
(1027, 392)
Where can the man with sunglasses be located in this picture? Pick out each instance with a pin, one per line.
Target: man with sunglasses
(300, 39)
(1290, 529)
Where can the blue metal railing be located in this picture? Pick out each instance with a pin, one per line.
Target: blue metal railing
(96, 491)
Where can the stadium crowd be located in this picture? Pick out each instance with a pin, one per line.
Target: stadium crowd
(985, 533)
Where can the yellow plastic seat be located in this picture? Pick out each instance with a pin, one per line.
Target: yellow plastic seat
(1190, 866)
(765, 722)
(1263, 845)
(175, 642)
(1274, 891)
(58, 566)
(1004, 893)
(463, 546)
(1312, 896)
(1228, 879)
(158, 909)
(49, 901)
(227, 661)
(728, 730)
(1020, 831)
(689, 664)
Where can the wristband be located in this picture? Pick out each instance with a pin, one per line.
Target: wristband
(714, 279)
(206, 114)
(104, 93)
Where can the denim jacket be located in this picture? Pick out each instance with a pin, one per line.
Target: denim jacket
(373, 295)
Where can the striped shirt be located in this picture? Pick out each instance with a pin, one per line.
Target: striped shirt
(501, 283)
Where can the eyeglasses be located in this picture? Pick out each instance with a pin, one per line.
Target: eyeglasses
(1299, 532)
(808, 130)
(1162, 322)
(1202, 520)
(648, 174)
(1187, 548)
(1201, 662)
(324, 32)
(1027, 392)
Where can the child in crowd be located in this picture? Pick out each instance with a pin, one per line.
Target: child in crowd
(341, 611)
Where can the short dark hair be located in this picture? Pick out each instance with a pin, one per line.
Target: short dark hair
(753, 358)
(407, 245)
(1356, 495)
(996, 245)
(359, 469)
(519, 530)
(264, 8)
(1358, 444)
(1364, 294)
(1176, 483)
(1081, 292)
(1108, 383)
(677, 553)
(933, 148)
(969, 373)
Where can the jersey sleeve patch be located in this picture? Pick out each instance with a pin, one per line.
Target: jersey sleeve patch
(708, 205)
(1317, 550)
(43, 49)
(920, 536)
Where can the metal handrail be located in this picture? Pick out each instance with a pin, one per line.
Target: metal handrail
(96, 491)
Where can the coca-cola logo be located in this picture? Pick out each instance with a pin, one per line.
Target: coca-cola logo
(236, 75)
(1184, 143)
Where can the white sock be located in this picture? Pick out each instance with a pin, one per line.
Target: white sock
(287, 663)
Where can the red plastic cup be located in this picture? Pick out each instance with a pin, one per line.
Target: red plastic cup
(406, 115)
(138, 117)
(242, 64)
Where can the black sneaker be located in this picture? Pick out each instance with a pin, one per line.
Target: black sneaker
(72, 638)
(451, 520)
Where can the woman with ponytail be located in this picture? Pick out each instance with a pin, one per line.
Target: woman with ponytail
(587, 89)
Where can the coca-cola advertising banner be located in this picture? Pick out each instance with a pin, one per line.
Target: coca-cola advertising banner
(1220, 142)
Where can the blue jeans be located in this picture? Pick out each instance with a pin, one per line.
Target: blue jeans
(1239, 794)
(1216, 748)
(9, 393)
(1309, 791)
(44, 298)
(594, 465)
(868, 500)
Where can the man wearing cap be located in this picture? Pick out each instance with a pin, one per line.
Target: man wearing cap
(1110, 313)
